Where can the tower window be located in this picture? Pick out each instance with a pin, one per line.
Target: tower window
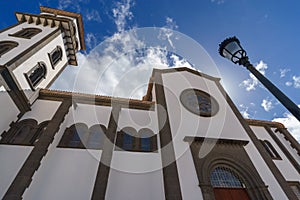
(270, 149)
(36, 74)
(6, 46)
(26, 33)
(55, 56)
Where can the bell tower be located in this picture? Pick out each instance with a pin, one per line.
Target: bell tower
(36, 50)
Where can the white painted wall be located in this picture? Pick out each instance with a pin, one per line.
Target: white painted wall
(42, 110)
(135, 175)
(265, 173)
(23, 43)
(41, 56)
(285, 167)
(8, 111)
(67, 173)
(138, 119)
(184, 123)
(287, 145)
(89, 114)
(224, 125)
(12, 158)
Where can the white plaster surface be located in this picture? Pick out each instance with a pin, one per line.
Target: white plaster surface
(287, 145)
(65, 174)
(89, 114)
(42, 110)
(135, 176)
(138, 119)
(41, 56)
(8, 111)
(286, 168)
(23, 43)
(265, 173)
(12, 158)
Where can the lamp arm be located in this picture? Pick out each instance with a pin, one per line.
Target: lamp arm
(290, 105)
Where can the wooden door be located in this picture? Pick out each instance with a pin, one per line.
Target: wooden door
(231, 194)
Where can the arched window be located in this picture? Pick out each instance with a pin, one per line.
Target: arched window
(148, 140)
(80, 136)
(55, 56)
(143, 141)
(25, 132)
(227, 184)
(225, 177)
(26, 33)
(96, 137)
(270, 149)
(75, 136)
(126, 139)
(36, 74)
(6, 46)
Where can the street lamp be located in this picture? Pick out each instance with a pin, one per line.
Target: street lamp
(231, 49)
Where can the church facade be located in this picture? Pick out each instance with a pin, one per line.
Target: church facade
(184, 140)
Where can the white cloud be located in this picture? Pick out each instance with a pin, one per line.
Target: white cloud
(218, 1)
(291, 123)
(166, 32)
(244, 111)
(91, 40)
(267, 105)
(171, 24)
(122, 13)
(93, 15)
(252, 82)
(288, 83)
(296, 80)
(283, 72)
(122, 64)
(70, 4)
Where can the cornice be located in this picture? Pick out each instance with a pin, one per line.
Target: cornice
(69, 14)
(47, 94)
(255, 122)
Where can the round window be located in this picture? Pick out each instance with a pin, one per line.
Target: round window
(199, 102)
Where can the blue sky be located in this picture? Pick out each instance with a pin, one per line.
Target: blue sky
(269, 32)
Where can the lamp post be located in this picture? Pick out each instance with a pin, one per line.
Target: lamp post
(231, 49)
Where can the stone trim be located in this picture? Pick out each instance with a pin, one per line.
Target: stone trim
(254, 122)
(231, 154)
(15, 93)
(170, 172)
(77, 16)
(102, 177)
(191, 139)
(96, 99)
(290, 138)
(283, 149)
(263, 153)
(181, 69)
(24, 177)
